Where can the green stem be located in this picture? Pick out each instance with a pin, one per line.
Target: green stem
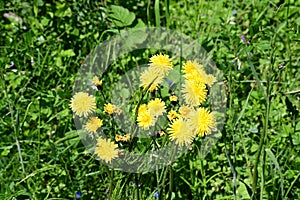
(110, 175)
(167, 6)
(263, 176)
(261, 144)
(171, 182)
(203, 177)
(138, 187)
(164, 181)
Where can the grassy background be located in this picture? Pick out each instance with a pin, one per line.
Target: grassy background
(43, 45)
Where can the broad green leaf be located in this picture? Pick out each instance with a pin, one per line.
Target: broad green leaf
(67, 53)
(121, 16)
(125, 93)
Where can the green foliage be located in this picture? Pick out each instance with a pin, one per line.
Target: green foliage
(43, 45)
(120, 16)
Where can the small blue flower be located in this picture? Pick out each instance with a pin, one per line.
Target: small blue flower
(243, 37)
(234, 12)
(169, 82)
(78, 195)
(156, 195)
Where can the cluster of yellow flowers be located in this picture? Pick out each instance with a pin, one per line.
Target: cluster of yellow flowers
(192, 119)
(148, 114)
(160, 66)
(185, 121)
(111, 109)
(83, 104)
(194, 88)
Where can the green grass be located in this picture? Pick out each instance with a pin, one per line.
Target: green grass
(257, 157)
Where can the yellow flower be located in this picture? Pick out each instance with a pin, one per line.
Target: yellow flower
(145, 120)
(110, 108)
(96, 81)
(83, 104)
(190, 67)
(210, 80)
(151, 79)
(180, 132)
(118, 138)
(121, 138)
(93, 124)
(173, 98)
(194, 94)
(156, 107)
(202, 120)
(126, 138)
(106, 149)
(196, 78)
(173, 115)
(142, 108)
(161, 64)
(195, 72)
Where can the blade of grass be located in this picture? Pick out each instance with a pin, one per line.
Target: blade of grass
(265, 125)
(274, 160)
(291, 186)
(255, 75)
(167, 6)
(157, 13)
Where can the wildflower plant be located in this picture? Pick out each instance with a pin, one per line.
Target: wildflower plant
(146, 116)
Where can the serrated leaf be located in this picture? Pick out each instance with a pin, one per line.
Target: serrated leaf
(121, 16)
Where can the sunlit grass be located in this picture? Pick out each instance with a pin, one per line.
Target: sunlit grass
(42, 157)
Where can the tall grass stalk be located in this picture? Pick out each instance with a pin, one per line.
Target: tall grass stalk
(167, 7)
(157, 13)
(265, 128)
(16, 124)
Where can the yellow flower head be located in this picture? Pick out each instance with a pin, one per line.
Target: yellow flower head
(173, 115)
(196, 78)
(126, 138)
(82, 104)
(96, 81)
(202, 120)
(110, 108)
(145, 120)
(121, 138)
(161, 64)
(118, 138)
(151, 79)
(156, 107)
(93, 124)
(106, 150)
(190, 67)
(194, 94)
(195, 72)
(173, 98)
(180, 131)
(142, 108)
(210, 80)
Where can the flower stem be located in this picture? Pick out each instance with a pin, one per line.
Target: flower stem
(138, 187)
(111, 175)
(171, 182)
(261, 144)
